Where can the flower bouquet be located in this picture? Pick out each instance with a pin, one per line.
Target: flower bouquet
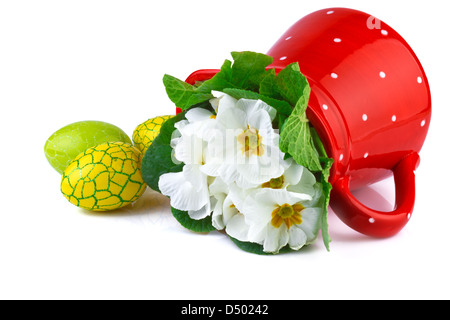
(243, 158)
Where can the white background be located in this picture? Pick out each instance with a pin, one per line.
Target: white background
(67, 61)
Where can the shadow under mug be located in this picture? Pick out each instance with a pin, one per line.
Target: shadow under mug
(370, 104)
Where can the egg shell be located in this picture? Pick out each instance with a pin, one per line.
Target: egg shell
(146, 132)
(68, 142)
(104, 177)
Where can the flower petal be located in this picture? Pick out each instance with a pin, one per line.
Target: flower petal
(198, 114)
(253, 106)
(257, 233)
(252, 175)
(194, 175)
(310, 223)
(229, 210)
(293, 173)
(180, 125)
(184, 195)
(262, 199)
(218, 187)
(297, 238)
(238, 195)
(268, 166)
(176, 136)
(316, 196)
(260, 120)
(276, 238)
(237, 228)
(305, 185)
(222, 101)
(232, 118)
(190, 149)
(257, 216)
(211, 169)
(280, 196)
(202, 213)
(217, 214)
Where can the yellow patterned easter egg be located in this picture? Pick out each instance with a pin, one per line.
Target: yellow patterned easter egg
(105, 177)
(146, 132)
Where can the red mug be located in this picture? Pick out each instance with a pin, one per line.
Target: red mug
(370, 104)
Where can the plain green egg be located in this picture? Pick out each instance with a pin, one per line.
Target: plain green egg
(68, 142)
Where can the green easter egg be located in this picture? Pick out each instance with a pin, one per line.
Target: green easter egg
(68, 142)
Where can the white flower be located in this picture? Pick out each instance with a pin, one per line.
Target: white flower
(228, 203)
(296, 188)
(189, 140)
(188, 190)
(222, 99)
(295, 178)
(234, 169)
(244, 147)
(277, 217)
(219, 192)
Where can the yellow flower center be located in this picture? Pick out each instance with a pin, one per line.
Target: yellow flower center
(250, 142)
(288, 214)
(275, 183)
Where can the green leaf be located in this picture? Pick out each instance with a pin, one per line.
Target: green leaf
(289, 85)
(183, 94)
(179, 92)
(202, 226)
(256, 248)
(249, 69)
(326, 163)
(269, 87)
(281, 106)
(318, 143)
(292, 85)
(197, 99)
(281, 119)
(158, 158)
(246, 72)
(324, 219)
(296, 139)
(326, 188)
(222, 79)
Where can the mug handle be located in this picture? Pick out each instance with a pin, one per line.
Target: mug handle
(378, 223)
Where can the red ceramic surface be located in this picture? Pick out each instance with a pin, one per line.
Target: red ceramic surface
(370, 103)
